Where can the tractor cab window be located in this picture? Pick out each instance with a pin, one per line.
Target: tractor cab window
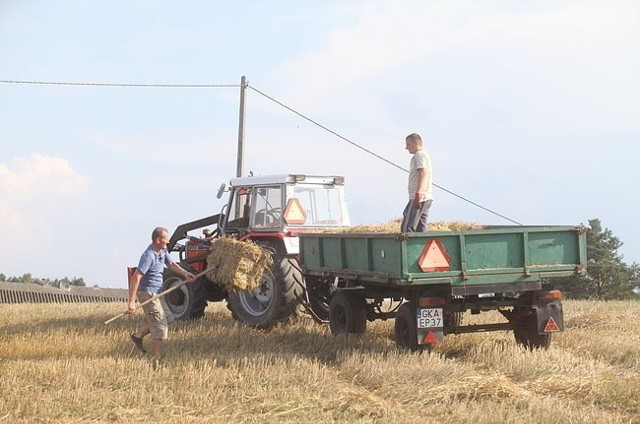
(240, 208)
(322, 205)
(267, 207)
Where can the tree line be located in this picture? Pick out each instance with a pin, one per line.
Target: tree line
(29, 279)
(608, 277)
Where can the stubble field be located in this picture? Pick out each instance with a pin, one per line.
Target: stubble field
(60, 363)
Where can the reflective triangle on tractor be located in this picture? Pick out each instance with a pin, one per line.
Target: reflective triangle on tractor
(294, 212)
(434, 257)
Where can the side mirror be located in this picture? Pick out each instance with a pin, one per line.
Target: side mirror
(223, 186)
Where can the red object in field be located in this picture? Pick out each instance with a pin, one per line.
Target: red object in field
(429, 302)
(550, 295)
(130, 271)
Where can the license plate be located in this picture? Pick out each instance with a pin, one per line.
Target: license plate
(429, 318)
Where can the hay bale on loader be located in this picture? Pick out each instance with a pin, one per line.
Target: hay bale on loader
(237, 265)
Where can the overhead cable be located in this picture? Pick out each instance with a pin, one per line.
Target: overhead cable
(136, 85)
(109, 84)
(290, 109)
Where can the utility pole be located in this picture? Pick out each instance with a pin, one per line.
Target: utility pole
(243, 88)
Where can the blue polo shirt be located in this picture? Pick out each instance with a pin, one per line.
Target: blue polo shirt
(151, 266)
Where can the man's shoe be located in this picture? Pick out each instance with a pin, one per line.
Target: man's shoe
(137, 341)
(157, 363)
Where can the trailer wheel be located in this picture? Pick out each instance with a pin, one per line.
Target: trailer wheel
(347, 313)
(405, 329)
(274, 300)
(187, 302)
(453, 320)
(526, 333)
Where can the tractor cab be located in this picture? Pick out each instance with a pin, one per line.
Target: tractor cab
(270, 211)
(288, 203)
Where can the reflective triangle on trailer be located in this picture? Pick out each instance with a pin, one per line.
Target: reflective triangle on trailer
(551, 326)
(434, 257)
(430, 338)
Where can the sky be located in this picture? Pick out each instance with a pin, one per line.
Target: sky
(528, 108)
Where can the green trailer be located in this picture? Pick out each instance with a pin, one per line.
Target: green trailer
(426, 281)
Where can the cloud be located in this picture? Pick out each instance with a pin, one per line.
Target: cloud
(39, 194)
(38, 175)
(568, 62)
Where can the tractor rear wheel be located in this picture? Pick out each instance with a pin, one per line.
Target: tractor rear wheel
(274, 300)
(187, 302)
(319, 297)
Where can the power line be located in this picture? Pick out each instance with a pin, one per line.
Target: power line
(137, 85)
(109, 84)
(290, 109)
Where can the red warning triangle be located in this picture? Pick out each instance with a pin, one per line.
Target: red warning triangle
(551, 326)
(434, 257)
(430, 337)
(294, 212)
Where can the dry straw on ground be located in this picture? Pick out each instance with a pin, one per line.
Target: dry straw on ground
(60, 364)
(237, 264)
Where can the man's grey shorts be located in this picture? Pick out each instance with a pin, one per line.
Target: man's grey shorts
(155, 315)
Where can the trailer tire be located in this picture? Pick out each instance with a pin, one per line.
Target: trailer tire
(187, 302)
(405, 329)
(347, 313)
(453, 320)
(274, 300)
(526, 333)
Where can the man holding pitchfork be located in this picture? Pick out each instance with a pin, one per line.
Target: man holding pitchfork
(145, 281)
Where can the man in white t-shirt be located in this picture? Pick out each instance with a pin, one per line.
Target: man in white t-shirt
(414, 217)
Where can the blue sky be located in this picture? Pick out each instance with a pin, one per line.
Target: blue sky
(531, 109)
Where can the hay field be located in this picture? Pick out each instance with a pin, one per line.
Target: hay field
(60, 363)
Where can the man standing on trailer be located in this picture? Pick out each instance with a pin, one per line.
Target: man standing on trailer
(144, 283)
(414, 217)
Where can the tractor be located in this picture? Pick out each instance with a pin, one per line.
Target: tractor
(270, 211)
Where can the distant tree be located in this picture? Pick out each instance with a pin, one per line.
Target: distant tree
(635, 269)
(78, 282)
(27, 278)
(608, 277)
